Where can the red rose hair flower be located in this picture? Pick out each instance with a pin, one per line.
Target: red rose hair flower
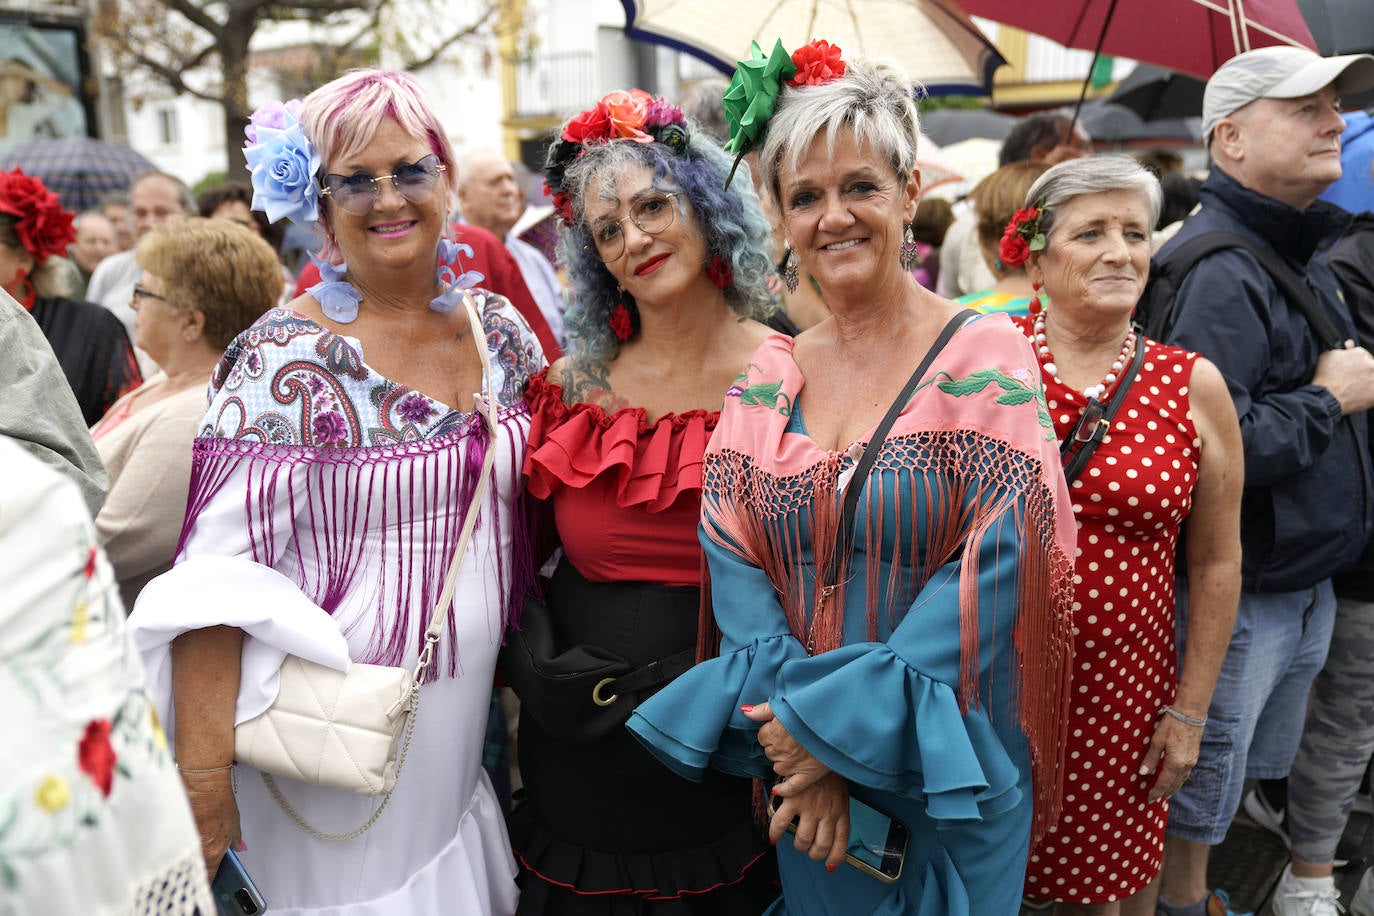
(43, 227)
(1021, 237)
(589, 126)
(817, 64)
(95, 755)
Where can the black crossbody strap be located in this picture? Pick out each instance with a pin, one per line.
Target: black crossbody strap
(655, 674)
(1290, 284)
(875, 445)
(1076, 449)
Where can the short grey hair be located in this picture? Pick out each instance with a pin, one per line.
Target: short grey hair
(874, 99)
(1092, 175)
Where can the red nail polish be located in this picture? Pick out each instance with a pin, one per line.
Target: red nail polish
(831, 868)
(746, 709)
(772, 841)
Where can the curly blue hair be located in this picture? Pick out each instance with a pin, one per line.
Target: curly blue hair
(731, 222)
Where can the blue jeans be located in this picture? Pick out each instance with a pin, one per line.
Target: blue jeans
(1255, 722)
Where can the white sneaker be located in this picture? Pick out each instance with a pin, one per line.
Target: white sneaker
(1294, 899)
(1362, 904)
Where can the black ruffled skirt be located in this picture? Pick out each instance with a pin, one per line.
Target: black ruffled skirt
(604, 829)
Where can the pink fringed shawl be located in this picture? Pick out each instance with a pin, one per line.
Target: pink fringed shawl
(976, 440)
(355, 487)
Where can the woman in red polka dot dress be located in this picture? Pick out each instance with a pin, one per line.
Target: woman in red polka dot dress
(1170, 456)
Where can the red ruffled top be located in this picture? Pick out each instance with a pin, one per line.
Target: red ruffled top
(626, 493)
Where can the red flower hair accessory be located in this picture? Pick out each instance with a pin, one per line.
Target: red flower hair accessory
(621, 115)
(817, 64)
(43, 227)
(1021, 237)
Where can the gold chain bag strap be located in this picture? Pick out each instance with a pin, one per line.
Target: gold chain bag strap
(351, 730)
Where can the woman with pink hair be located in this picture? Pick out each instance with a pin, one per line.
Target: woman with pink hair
(339, 459)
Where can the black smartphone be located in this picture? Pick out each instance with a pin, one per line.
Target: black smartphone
(234, 892)
(877, 840)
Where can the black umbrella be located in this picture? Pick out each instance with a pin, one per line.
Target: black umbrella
(1342, 27)
(1154, 93)
(1108, 123)
(947, 126)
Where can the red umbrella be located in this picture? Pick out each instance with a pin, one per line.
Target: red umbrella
(1194, 36)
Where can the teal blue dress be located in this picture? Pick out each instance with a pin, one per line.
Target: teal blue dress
(948, 645)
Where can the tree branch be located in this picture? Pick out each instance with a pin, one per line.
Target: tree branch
(195, 15)
(466, 32)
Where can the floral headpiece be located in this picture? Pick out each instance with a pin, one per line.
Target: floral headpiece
(283, 164)
(43, 227)
(1022, 236)
(620, 115)
(753, 92)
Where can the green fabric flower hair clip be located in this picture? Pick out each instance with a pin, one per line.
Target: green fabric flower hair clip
(754, 90)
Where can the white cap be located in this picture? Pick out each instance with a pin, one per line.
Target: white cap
(1280, 72)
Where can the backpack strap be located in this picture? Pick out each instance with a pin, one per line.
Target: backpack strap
(1183, 259)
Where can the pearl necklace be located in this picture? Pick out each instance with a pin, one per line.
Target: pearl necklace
(1050, 369)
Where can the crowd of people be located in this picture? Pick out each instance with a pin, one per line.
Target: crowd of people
(781, 543)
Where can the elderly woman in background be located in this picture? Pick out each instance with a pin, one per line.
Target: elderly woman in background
(996, 199)
(94, 351)
(668, 273)
(188, 307)
(331, 478)
(1169, 454)
(908, 666)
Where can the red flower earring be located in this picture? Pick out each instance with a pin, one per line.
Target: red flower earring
(718, 269)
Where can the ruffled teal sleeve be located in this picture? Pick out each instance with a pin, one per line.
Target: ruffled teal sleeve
(886, 714)
(881, 714)
(695, 722)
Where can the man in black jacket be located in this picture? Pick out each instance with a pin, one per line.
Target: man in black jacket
(1273, 127)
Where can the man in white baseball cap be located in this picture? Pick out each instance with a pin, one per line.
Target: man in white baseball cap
(1273, 127)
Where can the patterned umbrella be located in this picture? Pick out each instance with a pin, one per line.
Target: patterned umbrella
(80, 170)
(932, 39)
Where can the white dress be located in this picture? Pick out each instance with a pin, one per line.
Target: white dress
(325, 506)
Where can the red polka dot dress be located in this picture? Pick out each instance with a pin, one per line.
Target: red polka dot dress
(1129, 503)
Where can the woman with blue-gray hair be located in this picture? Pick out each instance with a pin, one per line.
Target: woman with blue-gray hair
(668, 273)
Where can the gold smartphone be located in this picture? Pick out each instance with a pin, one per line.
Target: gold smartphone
(877, 840)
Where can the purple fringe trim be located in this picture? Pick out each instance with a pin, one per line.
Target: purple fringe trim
(353, 504)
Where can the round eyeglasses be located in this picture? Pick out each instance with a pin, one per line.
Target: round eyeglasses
(357, 193)
(651, 215)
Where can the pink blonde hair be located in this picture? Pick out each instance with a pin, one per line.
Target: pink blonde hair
(342, 116)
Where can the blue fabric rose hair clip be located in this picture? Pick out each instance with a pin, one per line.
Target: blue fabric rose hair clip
(283, 164)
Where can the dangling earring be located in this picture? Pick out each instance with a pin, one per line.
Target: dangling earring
(791, 277)
(910, 255)
(1035, 304)
(624, 318)
(22, 290)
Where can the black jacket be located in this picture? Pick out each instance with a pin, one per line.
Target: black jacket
(1308, 506)
(1352, 258)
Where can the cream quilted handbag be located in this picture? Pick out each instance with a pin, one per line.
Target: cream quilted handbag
(351, 730)
(341, 731)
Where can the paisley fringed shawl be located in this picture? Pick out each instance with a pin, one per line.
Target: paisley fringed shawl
(971, 453)
(357, 488)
